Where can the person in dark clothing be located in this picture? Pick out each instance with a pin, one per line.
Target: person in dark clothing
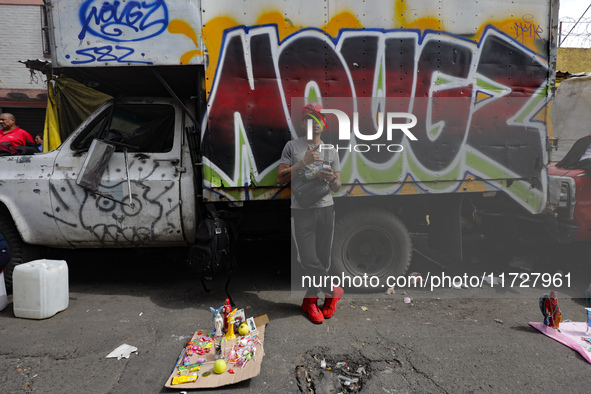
(5, 254)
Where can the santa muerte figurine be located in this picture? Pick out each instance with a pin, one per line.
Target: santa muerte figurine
(551, 310)
(226, 311)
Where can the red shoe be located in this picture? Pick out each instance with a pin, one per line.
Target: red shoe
(310, 306)
(330, 302)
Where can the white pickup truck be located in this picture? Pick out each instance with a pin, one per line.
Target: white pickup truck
(118, 181)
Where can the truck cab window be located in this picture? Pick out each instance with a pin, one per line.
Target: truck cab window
(149, 128)
(93, 131)
(139, 127)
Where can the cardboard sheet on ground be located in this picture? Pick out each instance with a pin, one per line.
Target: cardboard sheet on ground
(250, 369)
(570, 335)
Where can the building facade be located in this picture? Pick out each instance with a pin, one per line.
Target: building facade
(574, 60)
(22, 90)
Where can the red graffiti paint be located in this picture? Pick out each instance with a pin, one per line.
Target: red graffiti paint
(441, 75)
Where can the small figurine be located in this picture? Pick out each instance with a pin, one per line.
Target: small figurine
(230, 334)
(219, 326)
(227, 308)
(551, 310)
(216, 313)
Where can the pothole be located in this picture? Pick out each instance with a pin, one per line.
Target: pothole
(322, 373)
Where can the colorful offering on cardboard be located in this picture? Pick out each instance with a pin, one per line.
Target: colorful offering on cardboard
(571, 334)
(214, 361)
(575, 335)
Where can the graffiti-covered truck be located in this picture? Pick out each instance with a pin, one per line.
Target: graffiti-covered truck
(207, 93)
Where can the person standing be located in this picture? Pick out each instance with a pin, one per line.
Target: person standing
(12, 133)
(313, 226)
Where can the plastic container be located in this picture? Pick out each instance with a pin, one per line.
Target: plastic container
(3, 295)
(40, 288)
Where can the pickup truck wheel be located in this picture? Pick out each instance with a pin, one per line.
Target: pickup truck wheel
(21, 252)
(372, 242)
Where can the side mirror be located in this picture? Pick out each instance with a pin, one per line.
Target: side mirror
(92, 170)
(96, 161)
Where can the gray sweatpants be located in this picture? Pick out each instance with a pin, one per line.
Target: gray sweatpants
(313, 231)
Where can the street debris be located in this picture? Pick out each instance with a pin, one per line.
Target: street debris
(407, 300)
(499, 321)
(415, 279)
(124, 350)
(364, 308)
(337, 374)
(525, 263)
(494, 281)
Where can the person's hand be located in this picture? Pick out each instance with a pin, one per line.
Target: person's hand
(311, 155)
(327, 173)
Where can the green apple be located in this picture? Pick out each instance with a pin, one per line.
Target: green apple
(243, 329)
(219, 366)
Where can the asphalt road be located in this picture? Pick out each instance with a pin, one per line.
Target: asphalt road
(445, 340)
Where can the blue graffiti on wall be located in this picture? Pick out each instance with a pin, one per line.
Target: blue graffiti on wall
(123, 22)
(107, 53)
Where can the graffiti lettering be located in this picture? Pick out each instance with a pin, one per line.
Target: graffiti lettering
(527, 29)
(258, 114)
(105, 54)
(447, 81)
(135, 21)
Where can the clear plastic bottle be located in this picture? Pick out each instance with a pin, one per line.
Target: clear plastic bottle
(312, 172)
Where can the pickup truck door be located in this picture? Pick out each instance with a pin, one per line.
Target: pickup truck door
(151, 171)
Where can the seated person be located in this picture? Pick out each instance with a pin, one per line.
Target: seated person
(12, 133)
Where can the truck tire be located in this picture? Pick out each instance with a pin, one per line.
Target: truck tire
(21, 252)
(372, 242)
